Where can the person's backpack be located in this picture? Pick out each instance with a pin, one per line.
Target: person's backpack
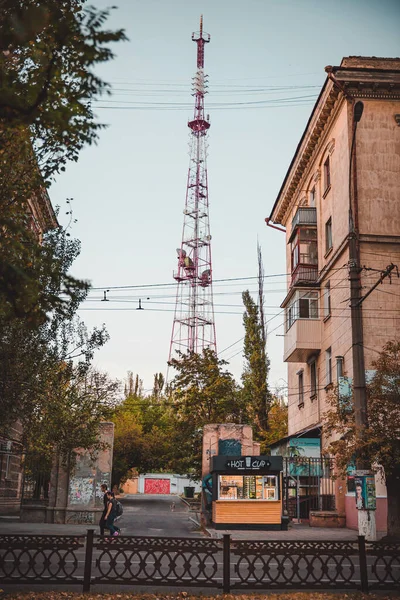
(119, 509)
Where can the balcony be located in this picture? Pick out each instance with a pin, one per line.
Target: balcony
(305, 273)
(305, 215)
(302, 340)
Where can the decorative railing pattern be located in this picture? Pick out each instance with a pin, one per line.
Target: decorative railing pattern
(296, 565)
(161, 561)
(383, 565)
(191, 562)
(41, 558)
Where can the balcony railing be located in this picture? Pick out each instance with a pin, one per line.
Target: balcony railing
(305, 215)
(304, 273)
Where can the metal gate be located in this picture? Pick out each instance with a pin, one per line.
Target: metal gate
(307, 485)
(157, 486)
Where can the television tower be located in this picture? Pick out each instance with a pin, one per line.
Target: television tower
(194, 326)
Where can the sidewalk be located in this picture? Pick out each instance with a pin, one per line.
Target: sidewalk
(296, 531)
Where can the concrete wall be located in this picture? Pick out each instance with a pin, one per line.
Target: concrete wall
(213, 433)
(131, 486)
(75, 496)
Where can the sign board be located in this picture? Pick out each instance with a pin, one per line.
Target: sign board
(247, 463)
(365, 491)
(263, 464)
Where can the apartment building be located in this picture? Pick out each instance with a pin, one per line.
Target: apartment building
(313, 206)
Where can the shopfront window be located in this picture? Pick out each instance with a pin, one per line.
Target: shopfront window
(248, 487)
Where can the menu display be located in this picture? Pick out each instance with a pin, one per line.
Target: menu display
(248, 487)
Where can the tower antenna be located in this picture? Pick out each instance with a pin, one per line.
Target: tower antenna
(194, 326)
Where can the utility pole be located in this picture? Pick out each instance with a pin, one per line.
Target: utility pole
(366, 517)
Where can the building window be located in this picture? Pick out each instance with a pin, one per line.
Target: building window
(328, 363)
(301, 387)
(302, 306)
(328, 235)
(313, 378)
(312, 198)
(327, 175)
(327, 300)
(339, 367)
(304, 247)
(248, 487)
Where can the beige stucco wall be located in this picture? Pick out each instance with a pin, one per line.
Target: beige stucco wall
(378, 179)
(378, 168)
(331, 204)
(377, 220)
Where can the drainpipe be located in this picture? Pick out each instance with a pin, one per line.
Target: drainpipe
(328, 71)
(268, 219)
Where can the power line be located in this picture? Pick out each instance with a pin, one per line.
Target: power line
(215, 281)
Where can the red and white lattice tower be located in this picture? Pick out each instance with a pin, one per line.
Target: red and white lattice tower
(194, 325)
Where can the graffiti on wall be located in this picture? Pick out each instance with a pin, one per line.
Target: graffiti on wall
(102, 478)
(81, 490)
(156, 486)
(81, 517)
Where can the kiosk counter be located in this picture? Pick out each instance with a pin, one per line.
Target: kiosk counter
(247, 492)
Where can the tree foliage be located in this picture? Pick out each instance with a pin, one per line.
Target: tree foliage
(168, 427)
(48, 52)
(277, 425)
(46, 382)
(379, 444)
(255, 374)
(142, 435)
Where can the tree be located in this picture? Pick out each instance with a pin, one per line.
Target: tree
(77, 400)
(142, 433)
(46, 383)
(49, 49)
(277, 425)
(48, 52)
(379, 443)
(202, 392)
(256, 392)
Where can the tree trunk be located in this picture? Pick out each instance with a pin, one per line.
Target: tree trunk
(393, 495)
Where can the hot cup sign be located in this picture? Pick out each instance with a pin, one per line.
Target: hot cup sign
(248, 463)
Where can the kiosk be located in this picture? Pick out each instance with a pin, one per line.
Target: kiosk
(247, 492)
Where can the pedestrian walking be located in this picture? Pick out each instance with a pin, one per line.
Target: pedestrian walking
(102, 522)
(111, 514)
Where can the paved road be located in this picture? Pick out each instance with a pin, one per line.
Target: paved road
(157, 515)
(149, 515)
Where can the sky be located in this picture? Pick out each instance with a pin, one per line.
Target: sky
(265, 64)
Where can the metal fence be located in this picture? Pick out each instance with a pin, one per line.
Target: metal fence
(189, 562)
(308, 485)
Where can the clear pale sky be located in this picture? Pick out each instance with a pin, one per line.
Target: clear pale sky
(266, 65)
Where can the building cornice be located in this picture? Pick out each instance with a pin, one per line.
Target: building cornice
(357, 77)
(310, 140)
(43, 211)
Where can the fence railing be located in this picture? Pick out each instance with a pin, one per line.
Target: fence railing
(308, 485)
(190, 562)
